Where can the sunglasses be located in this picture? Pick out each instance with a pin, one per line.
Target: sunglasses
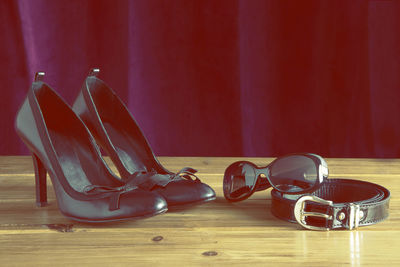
(290, 174)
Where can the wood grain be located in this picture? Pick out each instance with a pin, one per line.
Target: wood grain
(216, 233)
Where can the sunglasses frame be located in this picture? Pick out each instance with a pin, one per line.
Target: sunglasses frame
(263, 183)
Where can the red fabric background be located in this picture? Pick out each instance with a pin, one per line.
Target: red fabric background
(219, 78)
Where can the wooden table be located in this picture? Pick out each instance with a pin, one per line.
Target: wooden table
(217, 233)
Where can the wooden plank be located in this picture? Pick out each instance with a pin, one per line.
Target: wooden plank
(237, 246)
(216, 233)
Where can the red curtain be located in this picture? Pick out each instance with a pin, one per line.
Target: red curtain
(219, 78)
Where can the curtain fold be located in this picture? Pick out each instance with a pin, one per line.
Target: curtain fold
(219, 78)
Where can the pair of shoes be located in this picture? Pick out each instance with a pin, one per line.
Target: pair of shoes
(62, 145)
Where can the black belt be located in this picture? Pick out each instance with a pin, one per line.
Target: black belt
(338, 203)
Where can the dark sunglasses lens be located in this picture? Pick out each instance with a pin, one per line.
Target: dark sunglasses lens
(239, 180)
(294, 174)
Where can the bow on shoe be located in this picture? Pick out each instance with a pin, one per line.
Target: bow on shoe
(187, 173)
(147, 180)
(114, 192)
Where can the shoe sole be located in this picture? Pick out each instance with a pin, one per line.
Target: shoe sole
(118, 220)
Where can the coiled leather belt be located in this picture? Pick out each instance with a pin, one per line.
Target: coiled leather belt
(338, 203)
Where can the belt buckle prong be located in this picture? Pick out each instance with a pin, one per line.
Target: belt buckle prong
(301, 215)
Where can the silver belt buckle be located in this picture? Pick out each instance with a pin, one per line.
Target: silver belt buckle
(355, 215)
(301, 215)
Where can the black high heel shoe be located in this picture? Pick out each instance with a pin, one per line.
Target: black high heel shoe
(85, 188)
(117, 132)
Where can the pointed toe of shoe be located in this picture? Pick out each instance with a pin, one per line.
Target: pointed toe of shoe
(185, 192)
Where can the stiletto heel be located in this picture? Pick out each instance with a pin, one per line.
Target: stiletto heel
(85, 188)
(117, 132)
(40, 181)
